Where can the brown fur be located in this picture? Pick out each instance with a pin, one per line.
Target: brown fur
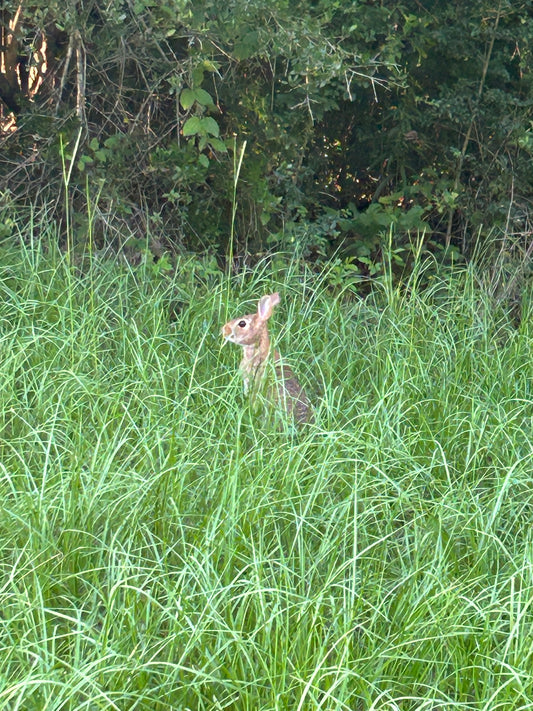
(251, 332)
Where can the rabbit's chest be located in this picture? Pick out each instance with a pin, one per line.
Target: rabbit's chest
(252, 369)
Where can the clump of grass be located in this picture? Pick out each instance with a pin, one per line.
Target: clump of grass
(161, 550)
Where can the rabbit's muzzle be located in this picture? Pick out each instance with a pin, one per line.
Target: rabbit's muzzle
(226, 331)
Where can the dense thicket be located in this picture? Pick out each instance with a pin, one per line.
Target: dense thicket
(349, 118)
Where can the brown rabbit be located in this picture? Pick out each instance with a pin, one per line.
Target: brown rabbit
(251, 333)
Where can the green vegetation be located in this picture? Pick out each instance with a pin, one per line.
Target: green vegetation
(161, 551)
(357, 116)
(163, 165)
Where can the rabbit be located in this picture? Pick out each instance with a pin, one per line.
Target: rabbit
(251, 333)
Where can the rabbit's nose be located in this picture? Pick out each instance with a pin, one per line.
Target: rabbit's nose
(226, 331)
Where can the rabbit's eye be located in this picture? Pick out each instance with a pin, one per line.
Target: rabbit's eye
(242, 324)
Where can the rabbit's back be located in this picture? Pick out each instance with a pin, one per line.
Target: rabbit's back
(290, 393)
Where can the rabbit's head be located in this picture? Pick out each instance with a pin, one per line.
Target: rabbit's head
(249, 330)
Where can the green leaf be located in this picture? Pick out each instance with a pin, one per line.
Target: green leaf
(83, 161)
(218, 145)
(94, 145)
(192, 126)
(201, 126)
(203, 160)
(209, 125)
(198, 75)
(246, 46)
(203, 97)
(112, 141)
(187, 98)
(210, 66)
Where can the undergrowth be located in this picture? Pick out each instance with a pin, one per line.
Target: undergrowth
(161, 550)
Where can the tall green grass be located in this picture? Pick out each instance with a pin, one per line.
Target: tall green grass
(160, 550)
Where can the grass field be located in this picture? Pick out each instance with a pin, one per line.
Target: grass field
(160, 550)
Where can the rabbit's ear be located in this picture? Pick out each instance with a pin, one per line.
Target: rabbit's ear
(266, 305)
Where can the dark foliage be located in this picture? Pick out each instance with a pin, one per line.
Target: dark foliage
(352, 120)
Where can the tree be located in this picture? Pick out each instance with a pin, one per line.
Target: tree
(356, 116)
